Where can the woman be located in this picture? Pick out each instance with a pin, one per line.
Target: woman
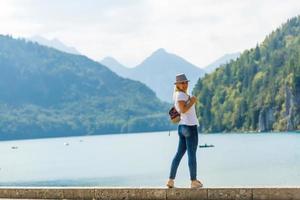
(187, 131)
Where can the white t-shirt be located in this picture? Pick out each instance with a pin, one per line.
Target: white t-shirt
(189, 117)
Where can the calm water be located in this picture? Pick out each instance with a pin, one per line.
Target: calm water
(143, 160)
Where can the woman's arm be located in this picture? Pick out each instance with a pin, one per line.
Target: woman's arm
(184, 106)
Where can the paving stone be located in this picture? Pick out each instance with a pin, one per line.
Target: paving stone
(276, 194)
(186, 194)
(198, 194)
(152, 193)
(230, 194)
(112, 194)
(147, 194)
(79, 193)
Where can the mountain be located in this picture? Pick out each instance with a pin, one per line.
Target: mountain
(158, 71)
(115, 66)
(260, 91)
(54, 43)
(221, 61)
(48, 93)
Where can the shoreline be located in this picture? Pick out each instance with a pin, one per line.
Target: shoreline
(153, 132)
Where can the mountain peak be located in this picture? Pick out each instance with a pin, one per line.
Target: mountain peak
(115, 65)
(108, 59)
(160, 51)
(159, 70)
(111, 61)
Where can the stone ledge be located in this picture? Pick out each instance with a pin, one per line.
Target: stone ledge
(291, 193)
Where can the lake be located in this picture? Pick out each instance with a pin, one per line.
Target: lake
(144, 159)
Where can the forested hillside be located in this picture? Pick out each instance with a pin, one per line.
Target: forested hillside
(48, 93)
(260, 91)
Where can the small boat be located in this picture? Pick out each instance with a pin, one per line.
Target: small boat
(206, 145)
(14, 147)
(66, 144)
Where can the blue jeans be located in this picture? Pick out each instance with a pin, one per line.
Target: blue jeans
(188, 140)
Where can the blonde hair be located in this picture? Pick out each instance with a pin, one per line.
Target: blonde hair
(176, 89)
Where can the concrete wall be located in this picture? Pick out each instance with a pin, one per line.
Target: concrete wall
(151, 193)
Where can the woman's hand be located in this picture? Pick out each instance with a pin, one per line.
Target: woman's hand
(185, 106)
(193, 99)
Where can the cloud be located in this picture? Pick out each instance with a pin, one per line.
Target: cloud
(129, 30)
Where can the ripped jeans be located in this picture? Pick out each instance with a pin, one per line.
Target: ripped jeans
(188, 140)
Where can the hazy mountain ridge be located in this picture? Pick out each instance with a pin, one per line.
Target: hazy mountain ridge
(54, 43)
(221, 61)
(115, 66)
(158, 71)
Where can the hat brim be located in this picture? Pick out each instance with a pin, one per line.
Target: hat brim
(181, 81)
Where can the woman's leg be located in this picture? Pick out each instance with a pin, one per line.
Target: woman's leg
(192, 146)
(180, 152)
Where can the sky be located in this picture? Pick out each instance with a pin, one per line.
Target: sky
(200, 31)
